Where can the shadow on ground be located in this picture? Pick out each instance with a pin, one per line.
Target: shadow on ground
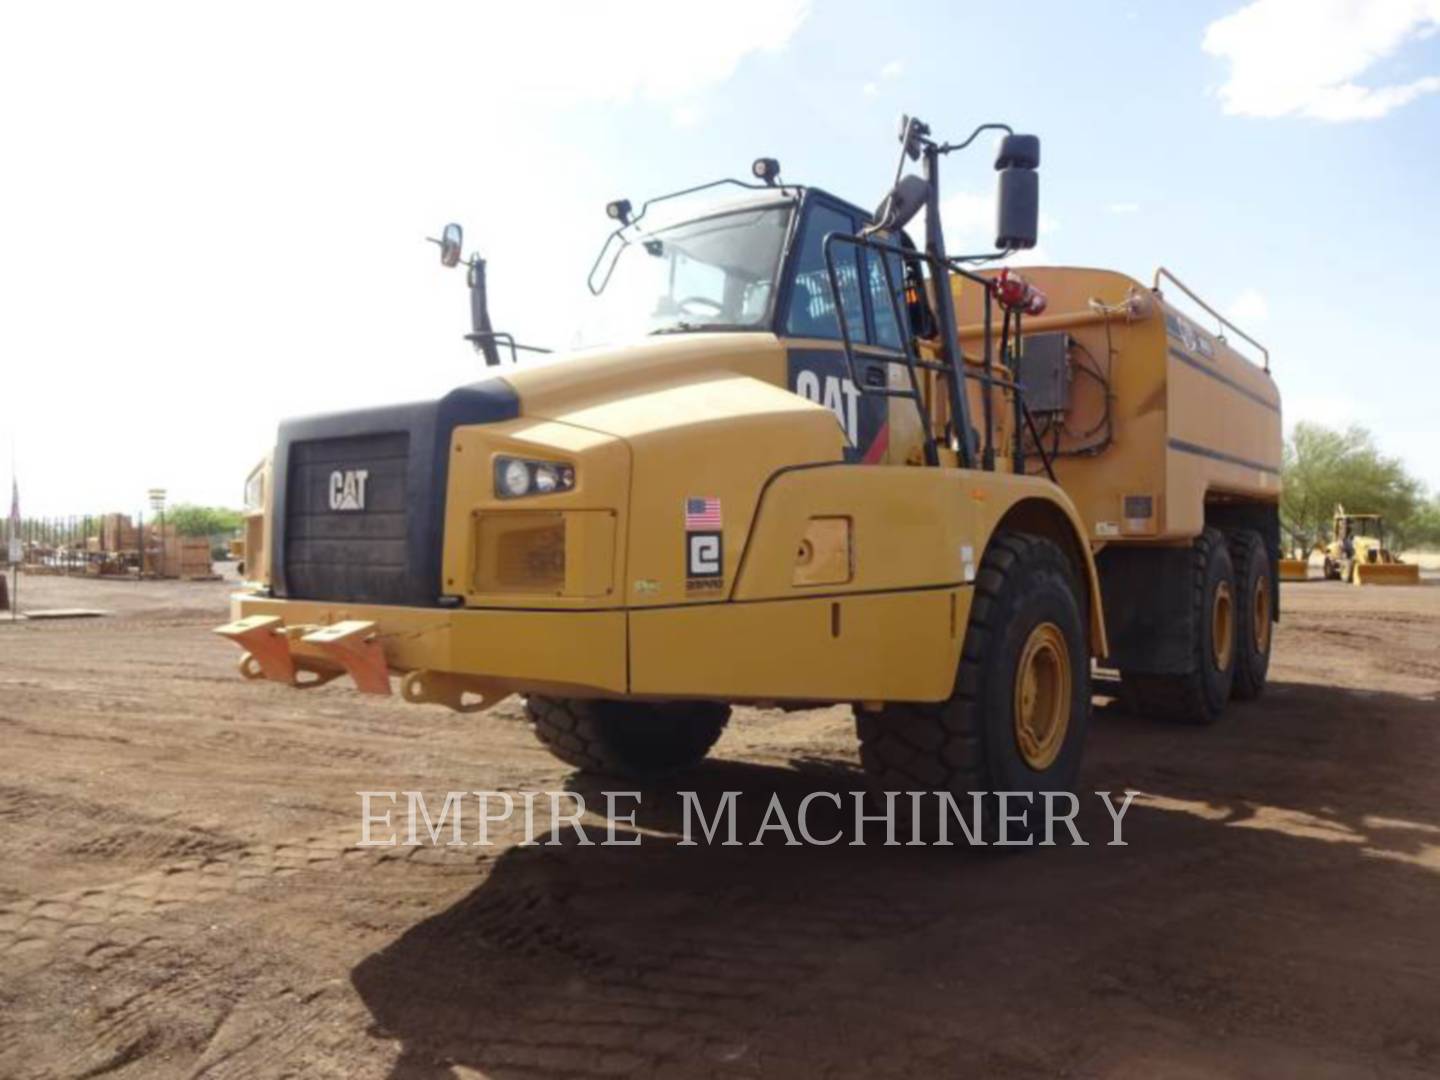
(1273, 912)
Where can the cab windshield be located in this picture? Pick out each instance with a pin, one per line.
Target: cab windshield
(711, 273)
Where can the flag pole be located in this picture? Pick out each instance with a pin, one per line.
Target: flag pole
(14, 537)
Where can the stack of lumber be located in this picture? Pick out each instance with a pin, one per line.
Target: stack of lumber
(118, 533)
(171, 555)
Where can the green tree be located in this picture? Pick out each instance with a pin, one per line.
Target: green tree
(1423, 530)
(190, 520)
(1324, 467)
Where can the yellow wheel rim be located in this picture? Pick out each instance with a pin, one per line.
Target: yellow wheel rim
(1262, 615)
(1042, 696)
(1222, 626)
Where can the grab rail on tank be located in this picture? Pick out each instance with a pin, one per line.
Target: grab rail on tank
(1161, 272)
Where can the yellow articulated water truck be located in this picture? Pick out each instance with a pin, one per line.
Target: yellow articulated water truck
(817, 464)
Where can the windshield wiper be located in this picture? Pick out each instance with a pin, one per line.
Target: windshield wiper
(681, 327)
(684, 327)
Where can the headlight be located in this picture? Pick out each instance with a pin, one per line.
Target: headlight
(515, 477)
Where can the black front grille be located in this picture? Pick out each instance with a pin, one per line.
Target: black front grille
(388, 550)
(345, 522)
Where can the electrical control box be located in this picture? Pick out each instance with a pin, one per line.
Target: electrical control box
(1045, 372)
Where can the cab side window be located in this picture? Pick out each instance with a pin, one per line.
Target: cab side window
(882, 309)
(812, 305)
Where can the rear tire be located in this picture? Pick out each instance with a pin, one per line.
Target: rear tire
(1254, 593)
(1025, 641)
(641, 740)
(1199, 695)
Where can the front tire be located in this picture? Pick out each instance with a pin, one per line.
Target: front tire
(639, 740)
(1017, 718)
(1199, 695)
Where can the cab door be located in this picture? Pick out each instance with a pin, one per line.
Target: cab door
(810, 329)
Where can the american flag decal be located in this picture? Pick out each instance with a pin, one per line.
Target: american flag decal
(702, 514)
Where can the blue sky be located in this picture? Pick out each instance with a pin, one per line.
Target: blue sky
(216, 221)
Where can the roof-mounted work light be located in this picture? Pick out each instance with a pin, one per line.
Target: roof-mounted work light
(766, 169)
(619, 210)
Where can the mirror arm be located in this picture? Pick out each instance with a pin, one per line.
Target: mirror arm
(945, 308)
(948, 147)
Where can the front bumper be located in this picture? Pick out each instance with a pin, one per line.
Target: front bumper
(441, 654)
(894, 646)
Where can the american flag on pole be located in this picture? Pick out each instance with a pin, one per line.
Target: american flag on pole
(702, 514)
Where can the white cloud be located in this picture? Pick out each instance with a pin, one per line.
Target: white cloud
(967, 212)
(1302, 57)
(893, 70)
(256, 191)
(1123, 208)
(685, 116)
(1332, 411)
(1039, 255)
(1248, 308)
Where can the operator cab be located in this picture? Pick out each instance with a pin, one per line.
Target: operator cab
(752, 261)
(1367, 525)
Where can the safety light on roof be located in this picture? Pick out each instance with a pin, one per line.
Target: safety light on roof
(619, 210)
(766, 169)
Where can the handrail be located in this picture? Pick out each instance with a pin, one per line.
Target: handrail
(955, 373)
(503, 337)
(1160, 272)
(908, 359)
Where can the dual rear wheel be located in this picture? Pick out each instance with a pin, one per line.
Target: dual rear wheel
(1231, 616)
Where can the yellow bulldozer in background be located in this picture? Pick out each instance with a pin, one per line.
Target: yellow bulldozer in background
(1357, 553)
(808, 462)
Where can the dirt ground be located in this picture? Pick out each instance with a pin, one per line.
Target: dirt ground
(181, 893)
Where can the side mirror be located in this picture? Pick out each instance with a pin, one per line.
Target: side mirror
(451, 240)
(906, 199)
(1017, 210)
(1017, 207)
(1018, 152)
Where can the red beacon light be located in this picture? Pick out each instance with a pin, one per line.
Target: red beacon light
(1014, 292)
(1010, 289)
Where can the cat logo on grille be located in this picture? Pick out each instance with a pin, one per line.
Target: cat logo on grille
(347, 489)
